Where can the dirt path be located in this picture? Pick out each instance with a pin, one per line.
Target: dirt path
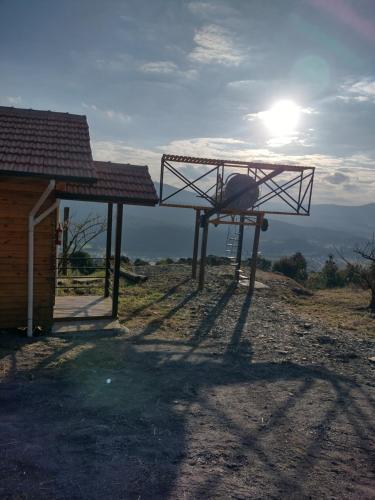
(243, 400)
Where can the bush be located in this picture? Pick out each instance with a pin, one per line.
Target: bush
(140, 262)
(82, 262)
(263, 264)
(294, 267)
(331, 274)
(165, 262)
(214, 260)
(184, 260)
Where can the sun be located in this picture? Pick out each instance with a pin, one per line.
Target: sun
(282, 118)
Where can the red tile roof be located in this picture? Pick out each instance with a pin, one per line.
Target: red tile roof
(45, 144)
(117, 183)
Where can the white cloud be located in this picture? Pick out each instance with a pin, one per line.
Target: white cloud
(12, 100)
(360, 91)
(167, 68)
(208, 9)
(214, 45)
(109, 114)
(164, 67)
(347, 179)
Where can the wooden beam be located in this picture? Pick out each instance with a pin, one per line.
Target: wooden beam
(202, 269)
(255, 253)
(108, 250)
(116, 271)
(196, 243)
(64, 270)
(239, 248)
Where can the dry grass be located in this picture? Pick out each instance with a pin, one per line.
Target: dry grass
(339, 308)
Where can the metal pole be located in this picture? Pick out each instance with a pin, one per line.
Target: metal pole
(116, 271)
(196, 243)
(239, 248)
(108, 250)
(202, 269)
(255, 253)
(65, 242)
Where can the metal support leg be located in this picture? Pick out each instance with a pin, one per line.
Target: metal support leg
(255, 253)
(108, 250)
(196, 244)
(239, 248)
(202, 268)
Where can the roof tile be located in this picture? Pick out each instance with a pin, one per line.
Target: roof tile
(45, 143)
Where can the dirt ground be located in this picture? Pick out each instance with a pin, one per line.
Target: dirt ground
(210, 395)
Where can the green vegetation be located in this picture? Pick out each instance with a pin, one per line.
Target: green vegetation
(294, 267)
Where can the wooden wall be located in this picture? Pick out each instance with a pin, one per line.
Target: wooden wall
(17, 197)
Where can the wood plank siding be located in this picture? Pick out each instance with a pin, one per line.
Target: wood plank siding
(17, 198)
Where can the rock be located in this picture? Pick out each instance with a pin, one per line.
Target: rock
(307, 326)
(302, 292)
(372, 359)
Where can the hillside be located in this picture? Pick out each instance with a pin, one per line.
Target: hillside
(167, 232)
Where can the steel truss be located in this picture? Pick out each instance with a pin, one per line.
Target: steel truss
(290, 185)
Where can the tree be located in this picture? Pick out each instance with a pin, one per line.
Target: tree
(367, 272)
(364, 272)
(331, 273)
(80, 234)
(294, 267)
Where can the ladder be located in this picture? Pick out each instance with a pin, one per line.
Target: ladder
(232, 243)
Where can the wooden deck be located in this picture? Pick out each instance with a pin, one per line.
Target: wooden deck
(88, 306)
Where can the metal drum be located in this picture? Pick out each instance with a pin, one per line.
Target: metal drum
(240, 192)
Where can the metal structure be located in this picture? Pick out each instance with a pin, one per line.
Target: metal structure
(275, 189)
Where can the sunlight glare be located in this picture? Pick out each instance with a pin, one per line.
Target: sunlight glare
(282, 119)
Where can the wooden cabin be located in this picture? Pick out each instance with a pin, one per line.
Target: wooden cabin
(46, 156)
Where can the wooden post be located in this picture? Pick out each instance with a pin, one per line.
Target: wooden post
(255, 253)
(239, 248)
(116, 270)
(196, 244)
(202, 268)
(64, 264)
(108, 250)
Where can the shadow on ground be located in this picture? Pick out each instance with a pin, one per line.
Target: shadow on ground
(151, 417)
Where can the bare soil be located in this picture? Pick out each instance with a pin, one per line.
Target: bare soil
(210, 395)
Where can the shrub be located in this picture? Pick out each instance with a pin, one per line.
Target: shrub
(294, 267)
(331, 274)
(81, 261)
(140, 262)
(165, 262)
(263, 264)
(214, 260)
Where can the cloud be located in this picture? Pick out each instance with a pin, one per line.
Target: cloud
(109, 114)
(360, 91)
(337, 178)
(164, 67)
(117, 63)
(208, 9)
(215, 46)
(167, 68)
(357, 176)
(12, 100)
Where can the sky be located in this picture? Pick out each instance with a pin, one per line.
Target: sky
(289, 81)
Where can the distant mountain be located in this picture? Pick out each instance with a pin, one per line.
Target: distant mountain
(168, 232)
